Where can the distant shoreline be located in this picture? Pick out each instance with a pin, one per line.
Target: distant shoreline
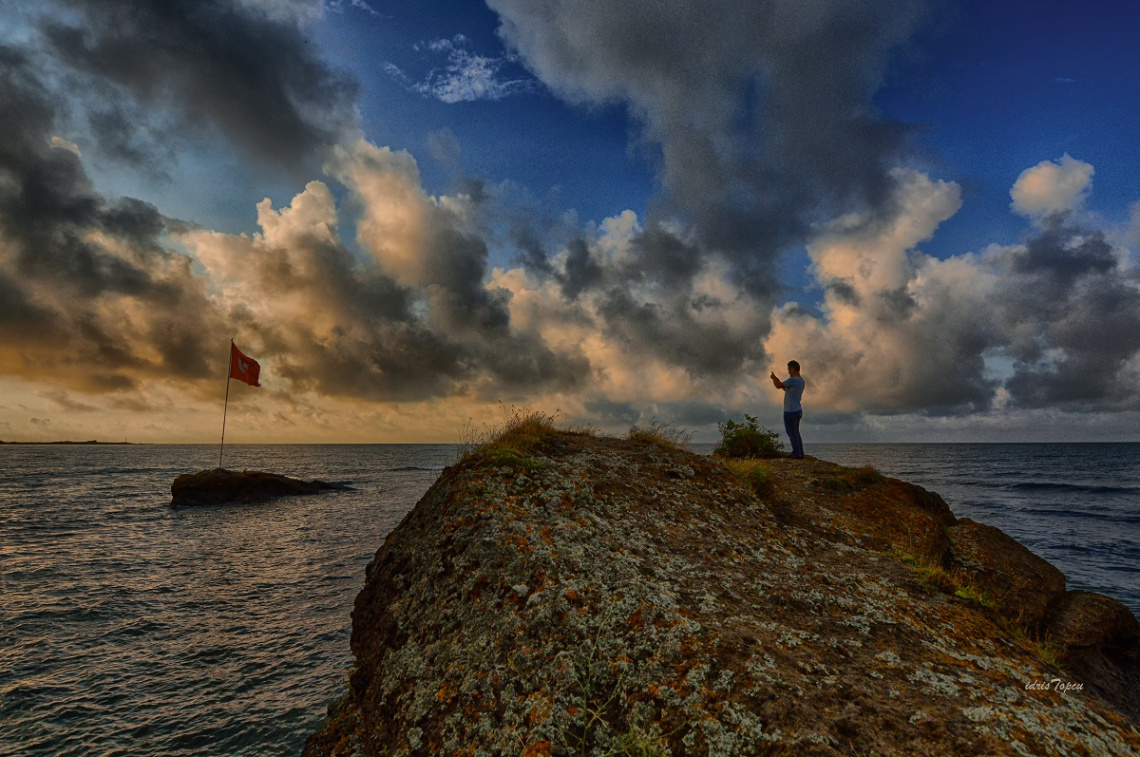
(92, 441)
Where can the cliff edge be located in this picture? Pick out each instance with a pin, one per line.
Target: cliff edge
(576, 594)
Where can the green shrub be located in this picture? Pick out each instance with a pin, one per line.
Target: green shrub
(748, 440)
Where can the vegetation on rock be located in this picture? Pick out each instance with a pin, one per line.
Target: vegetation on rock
(661, 434)
(748, 440)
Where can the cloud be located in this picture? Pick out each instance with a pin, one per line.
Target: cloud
(760, 114)
(339, 5)
(444, 147)
(1052, 187)
(1053, 322)
(1070, 313)
(244, 69)
(91, 297)
(417, 321)
(466, 77)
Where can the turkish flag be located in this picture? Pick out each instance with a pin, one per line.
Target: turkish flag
(243, 368)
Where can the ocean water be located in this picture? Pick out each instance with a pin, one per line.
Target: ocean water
(131, 628)
(128, 627)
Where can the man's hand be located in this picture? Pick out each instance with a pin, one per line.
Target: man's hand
(776, 382)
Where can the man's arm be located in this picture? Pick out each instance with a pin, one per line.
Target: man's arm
(779, 384)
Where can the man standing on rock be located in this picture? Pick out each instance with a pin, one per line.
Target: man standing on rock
(793, 387)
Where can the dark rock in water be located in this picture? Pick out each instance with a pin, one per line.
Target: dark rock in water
(220, 486)
(585, 595)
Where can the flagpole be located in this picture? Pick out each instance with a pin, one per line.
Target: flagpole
(229, 370)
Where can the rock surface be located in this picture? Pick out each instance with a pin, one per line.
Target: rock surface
(596, 596)
(220, 486)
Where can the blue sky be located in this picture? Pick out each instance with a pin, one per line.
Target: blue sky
(627, 211)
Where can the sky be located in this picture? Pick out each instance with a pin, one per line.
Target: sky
(418, 217)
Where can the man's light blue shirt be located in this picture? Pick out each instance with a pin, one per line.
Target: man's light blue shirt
(793, 393)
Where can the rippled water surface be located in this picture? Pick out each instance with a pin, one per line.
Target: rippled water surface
(131, 628)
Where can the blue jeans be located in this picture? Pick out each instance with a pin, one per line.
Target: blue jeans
(792, 426)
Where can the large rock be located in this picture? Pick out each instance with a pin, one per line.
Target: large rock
(221, 486)
(1100, 640)
(595, 596)
(1025, 586)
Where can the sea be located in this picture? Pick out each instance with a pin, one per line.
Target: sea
(128, 627)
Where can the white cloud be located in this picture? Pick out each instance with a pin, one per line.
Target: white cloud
(1051, 187)
(465, 77)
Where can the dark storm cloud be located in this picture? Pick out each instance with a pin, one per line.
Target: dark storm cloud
(1072, 316)
(478, 318)
(663, 256)
(251, 75)
(761, 111)
(75, 264)
(844, 292)
(127, 134)
(670, 332)
(582, 271)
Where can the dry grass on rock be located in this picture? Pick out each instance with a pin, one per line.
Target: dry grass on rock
(660, 434)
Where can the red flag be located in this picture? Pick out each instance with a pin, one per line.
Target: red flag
(243, 368)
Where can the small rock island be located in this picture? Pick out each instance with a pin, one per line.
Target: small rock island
(564, 593)
(220, 486)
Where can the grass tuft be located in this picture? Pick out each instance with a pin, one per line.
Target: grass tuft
(660, 434)
(509, 442)
(756, 474)
(853, 480)
(973, 594)
(1051, 654)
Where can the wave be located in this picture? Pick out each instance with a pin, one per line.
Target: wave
(1047, 486)
(407, 468)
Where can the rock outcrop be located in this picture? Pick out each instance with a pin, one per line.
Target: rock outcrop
(588, 595)
(220, 486)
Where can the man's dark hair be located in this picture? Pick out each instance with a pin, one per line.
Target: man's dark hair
(793, 364)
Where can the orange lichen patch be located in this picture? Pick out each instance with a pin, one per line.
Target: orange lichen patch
(547, 535)
(539, 708)
(538, 749)
(445, 693)
(518, 541)
(571, 595)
